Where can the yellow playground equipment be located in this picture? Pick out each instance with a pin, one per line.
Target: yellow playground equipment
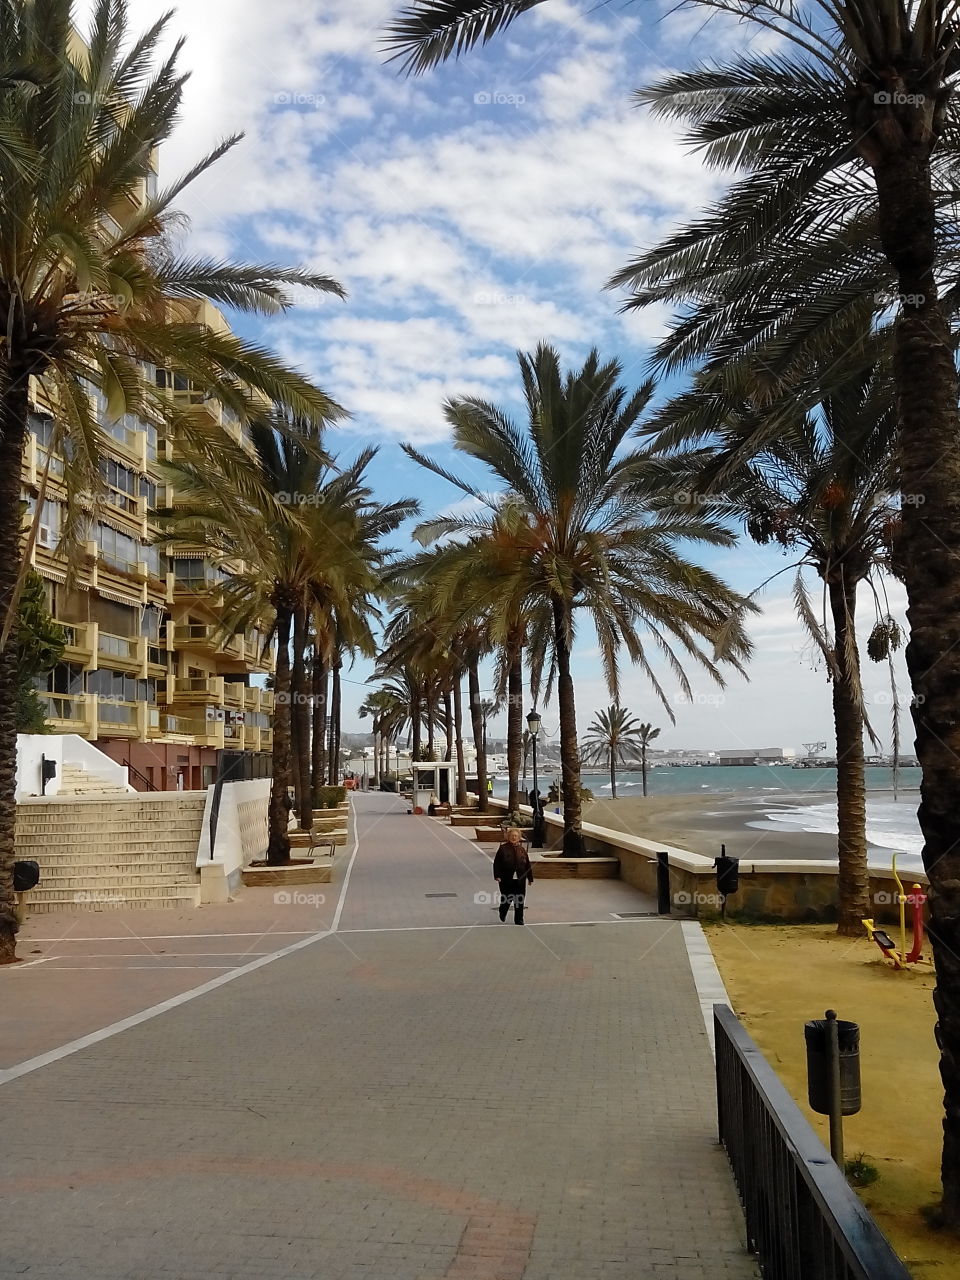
(917, 899)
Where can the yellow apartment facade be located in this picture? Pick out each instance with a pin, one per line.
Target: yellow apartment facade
(146, 675)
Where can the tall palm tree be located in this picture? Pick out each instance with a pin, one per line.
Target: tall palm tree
(573, 532)
(241, 513)
(92, 288)
(614, 737)
(824, 491)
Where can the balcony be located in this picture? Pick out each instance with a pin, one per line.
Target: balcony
(118, 719)
(266, 701)
(121, 653)
(203, 638)
(81, 642)
(207, 586)
(266, 739)
(182, 726)
(233, 694)
(69, 714)
(233, 736)
(197, 690)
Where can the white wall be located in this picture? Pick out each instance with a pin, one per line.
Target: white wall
(63, 748)
(241, 836)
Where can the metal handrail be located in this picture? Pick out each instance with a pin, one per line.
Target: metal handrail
(804, 1222)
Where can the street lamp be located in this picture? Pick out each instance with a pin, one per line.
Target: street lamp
(533, 726)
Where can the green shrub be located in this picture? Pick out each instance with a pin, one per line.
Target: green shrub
(330, 797)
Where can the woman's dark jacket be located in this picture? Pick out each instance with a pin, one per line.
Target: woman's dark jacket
(512, 863)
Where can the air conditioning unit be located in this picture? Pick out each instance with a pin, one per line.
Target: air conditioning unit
(220, 715)
(212, 713)
(44, 536)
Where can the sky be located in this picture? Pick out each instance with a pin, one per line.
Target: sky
(469, 213)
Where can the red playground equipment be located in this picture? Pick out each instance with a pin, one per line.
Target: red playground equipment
(917, 900)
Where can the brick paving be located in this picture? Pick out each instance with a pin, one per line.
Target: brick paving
(424, 1093)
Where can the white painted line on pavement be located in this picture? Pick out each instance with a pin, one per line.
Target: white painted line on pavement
(146, 1015)
(157, 937)
(706, 975)
(472, 924)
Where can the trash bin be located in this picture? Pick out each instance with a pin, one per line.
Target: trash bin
(818, 1066)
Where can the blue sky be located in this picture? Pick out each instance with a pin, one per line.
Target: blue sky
(469, 213)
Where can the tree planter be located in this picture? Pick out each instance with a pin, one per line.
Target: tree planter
(312, 871)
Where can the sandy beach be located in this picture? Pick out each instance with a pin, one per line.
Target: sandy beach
(702, 822)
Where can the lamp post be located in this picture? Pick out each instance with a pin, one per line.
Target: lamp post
(533, 725)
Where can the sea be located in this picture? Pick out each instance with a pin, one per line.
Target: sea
(785, 799)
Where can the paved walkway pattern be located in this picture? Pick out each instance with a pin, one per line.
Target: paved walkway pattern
(419, 1093)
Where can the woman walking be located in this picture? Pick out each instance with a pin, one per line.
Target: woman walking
(512, 872)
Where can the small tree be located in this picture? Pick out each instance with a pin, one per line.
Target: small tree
(40, 644)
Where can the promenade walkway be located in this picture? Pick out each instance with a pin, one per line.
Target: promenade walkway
(411, 1091)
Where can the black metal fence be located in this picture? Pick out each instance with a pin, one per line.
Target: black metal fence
(804, 1222)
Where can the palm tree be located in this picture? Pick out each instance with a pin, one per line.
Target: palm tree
(615, 736)
(241, 513)
(824, 492)
(574, 532)
(92, 288)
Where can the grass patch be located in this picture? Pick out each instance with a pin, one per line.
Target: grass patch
(778, 977)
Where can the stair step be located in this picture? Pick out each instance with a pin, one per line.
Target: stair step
(67, 902)
(98, 884)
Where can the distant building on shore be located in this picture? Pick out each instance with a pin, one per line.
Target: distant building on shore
(758, 755)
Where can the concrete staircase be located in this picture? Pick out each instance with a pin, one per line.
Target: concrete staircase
(77, 781)
(124, 852)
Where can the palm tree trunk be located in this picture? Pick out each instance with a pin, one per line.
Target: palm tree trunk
(14, 407)
(448, 724)
(278, 848)
(333, 762)
(573, 846)
(318, 754)
(416, 726)
(300, 718)
(476, 716)
(431, 721)
(458, 740)
(854, 877)
(926, 386)
(375, 780)
(643, 766)
(613, 774)
(514, 727)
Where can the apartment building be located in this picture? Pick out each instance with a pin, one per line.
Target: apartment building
(146, 674)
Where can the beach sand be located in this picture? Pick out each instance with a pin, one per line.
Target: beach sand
(701, 823)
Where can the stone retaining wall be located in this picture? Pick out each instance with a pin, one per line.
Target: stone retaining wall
(789, 890)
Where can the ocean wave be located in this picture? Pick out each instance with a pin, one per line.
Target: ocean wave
(890, 826)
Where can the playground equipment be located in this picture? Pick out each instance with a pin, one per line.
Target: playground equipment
(917, 899)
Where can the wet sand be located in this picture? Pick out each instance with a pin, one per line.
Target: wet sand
(701, 823)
